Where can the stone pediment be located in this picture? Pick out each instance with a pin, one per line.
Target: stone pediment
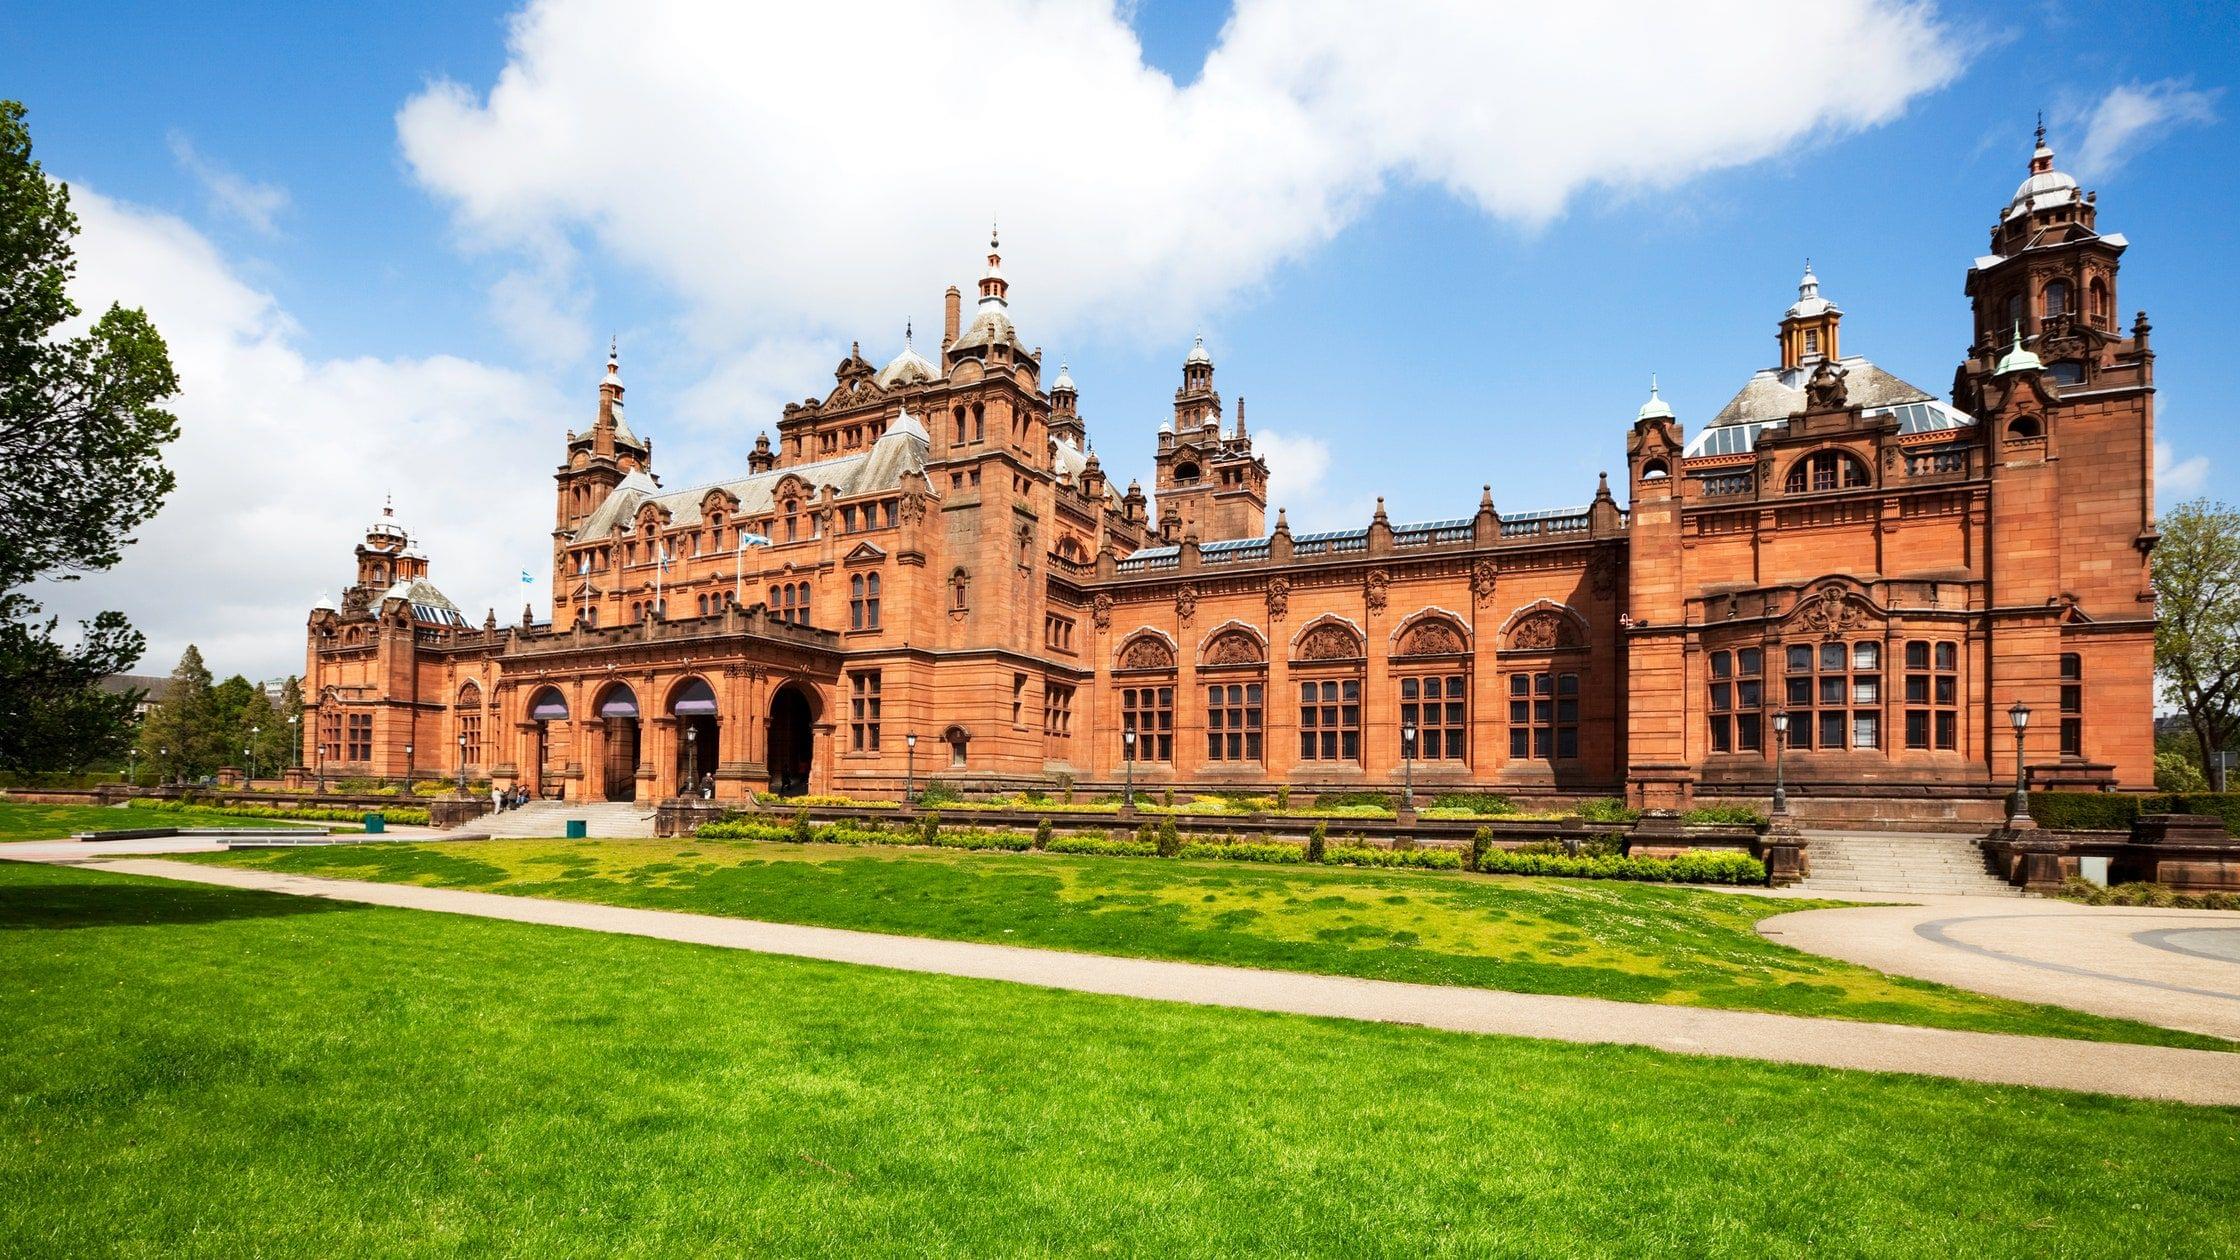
(863, 553)
(1831, 609)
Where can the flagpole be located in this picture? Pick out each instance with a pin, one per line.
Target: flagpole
(660, 567)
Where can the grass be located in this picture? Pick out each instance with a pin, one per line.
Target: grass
(1629, 942)
(21, 820)
(202, 1071)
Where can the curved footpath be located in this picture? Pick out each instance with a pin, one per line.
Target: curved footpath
(2192, 1076)
(2176, 968)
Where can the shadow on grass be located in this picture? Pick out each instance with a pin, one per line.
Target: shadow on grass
(47, 907)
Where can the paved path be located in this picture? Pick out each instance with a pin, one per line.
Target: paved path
(2194, 1076)
(2175, 968)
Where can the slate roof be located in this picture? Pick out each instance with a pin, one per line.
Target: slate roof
(902, 448)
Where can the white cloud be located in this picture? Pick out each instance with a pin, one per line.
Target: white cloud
(283, 457)
(2133, 116)
(1299, 483)
(2175, 478)
(257, 205)
(838, 162)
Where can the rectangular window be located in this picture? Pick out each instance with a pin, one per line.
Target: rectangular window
(1057, 710)
(1544, 727)
(1233, 721)
(1149, 712)
(863, 711)
(1739, 691)
(470, 729)
(358, 745)
(2072, 704)
(1018, 699)
(1932, 693)
(1330, 720)
(1438, 707)
(1834, 695)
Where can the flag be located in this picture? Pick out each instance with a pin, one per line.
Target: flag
(526, 579)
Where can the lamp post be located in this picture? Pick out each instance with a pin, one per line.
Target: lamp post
(1780, 749)
(132, 767)
(1408, 760)
(462, 765)
(408, 767)
(252, 751)
(295, 750)
(163, 754)
(1128, 794)
(691, 760)
(2018, 806)
(909, 768)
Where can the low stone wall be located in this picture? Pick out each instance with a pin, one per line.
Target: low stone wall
(2182, 852)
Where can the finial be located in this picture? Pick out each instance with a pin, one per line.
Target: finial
(614, 346)
(992, 236)
(2041, 129)
(1380, 509)
(388, 504)
(1485, 496)
(1653, 375)
(906, 334)
(1283, 523)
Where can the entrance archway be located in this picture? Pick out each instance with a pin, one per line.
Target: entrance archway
(693, 704)
(618, 708)
(792, 741)
(545, 708)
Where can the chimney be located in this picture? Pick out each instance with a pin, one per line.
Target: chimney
(951, 309)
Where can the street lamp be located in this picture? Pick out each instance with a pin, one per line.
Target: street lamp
(254, 731)
(462, 765)
(163, 754)
(408, 767)
(1780, 748)
(1408, 759)
(1128, 795)
(691, 761)
(909, 767)
(295, 750)
(2018, 806)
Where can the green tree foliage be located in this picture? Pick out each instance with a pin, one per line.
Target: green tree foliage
(181, 738)
(81, 437)
(2176, 772)
(2197, 641)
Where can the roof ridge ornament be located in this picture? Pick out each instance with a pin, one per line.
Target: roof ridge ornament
(2018, 359)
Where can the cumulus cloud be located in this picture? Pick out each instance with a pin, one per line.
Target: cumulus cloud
(2134, 116)
(839, 162)
(2175, 478)
(283, 457)
(255, 204)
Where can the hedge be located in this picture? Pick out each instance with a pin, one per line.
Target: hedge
(302, 813)
(1688, 868)
(2115, 811)
(1243, 851)
(1366, 855)
(1100, 846)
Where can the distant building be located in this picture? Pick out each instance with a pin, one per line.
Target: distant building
(151, 687)
(929, 574)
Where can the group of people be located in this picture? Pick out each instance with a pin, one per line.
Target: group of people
(502, 800)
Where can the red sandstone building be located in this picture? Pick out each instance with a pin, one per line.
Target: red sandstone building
(932, 549)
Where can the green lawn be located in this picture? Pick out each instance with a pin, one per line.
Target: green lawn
(21, 820)
(1629, 942)
(192, 1070)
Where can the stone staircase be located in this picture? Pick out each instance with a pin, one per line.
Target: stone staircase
(1848, 863)
(548, 819)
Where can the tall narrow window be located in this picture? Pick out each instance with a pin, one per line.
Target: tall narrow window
(1057, 710)
(1932, 695)
(359, 744)
(470, 729)
(1543, 716)
(1737, 700)
(1834, 694)
(2072, 705)
(1018, 699)
(957, 588)
(1330, 720)
(1233, 722)
(1149, 712)
(863, 711)
(1438, 706)
(2057, 299)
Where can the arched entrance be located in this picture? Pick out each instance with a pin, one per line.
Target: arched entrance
(618, 709)
(693, 704)
(792, 741)
(545, 708)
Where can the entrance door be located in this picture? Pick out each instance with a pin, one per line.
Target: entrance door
(791, 743)
(622, 759)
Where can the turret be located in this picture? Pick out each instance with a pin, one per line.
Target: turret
(1214, 484)
(2051, 274)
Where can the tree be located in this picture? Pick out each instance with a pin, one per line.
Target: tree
(81, 438)
(180, 740)
(2197, 641)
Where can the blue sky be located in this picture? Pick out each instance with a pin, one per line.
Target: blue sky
(1431, 253)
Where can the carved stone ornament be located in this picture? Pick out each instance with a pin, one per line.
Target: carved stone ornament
(1826, 391)
(1543, 631)
(1186, 601)
(1233, 647)
(1432, 638)
(1376, 589)
(1831, 611)
(1602, 574)
(1482, 578)
(1279, 597)
(1329, 643)
(1147, 653)
(1100, 611)
(913, 508)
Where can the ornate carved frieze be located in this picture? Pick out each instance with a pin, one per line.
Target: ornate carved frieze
(1279, 597)
(1100, 611)
(1543, 631)
(1234, 647)
(1482, 579)
(1147, 653)
(1432, 637)
(1330, 642)
(1186, 601)
(1831, 610)
(1376, 589)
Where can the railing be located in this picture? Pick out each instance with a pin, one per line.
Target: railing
(1937, 463)
(1432, 535)
(1148, 564)
(1726, 484)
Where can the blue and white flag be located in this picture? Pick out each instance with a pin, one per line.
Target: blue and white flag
(526, 579)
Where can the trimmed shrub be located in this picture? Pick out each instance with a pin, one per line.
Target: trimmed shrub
(1404, 843)
(801, 831)
(1246, 851)
(1351, 800)
(1709, 867)
(1097, 844)
(1042, 833)
(435, 787)
(1419, 859)
(2084, 811)
(1166, 798)
(1170, 840)
(1318, 842)
(1283, 796)
(935, 792)
(1480, 841)
(401, 815)
(929, 830)
(2224, 806)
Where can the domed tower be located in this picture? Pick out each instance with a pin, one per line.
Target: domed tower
(1065, 409)
(2051, 274)
(1209, 484)
(385, 558)
(599, 459)
(1808, 330)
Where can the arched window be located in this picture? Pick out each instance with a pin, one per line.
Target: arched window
(863, 601)
(2056, 301)
(2023, 428)
(1186, 472)
(793, 519)
(2096, 302)
(958, 586)
(2009, 321)
(1655, 470)
(979, 422)
(959, 414)
(1826, 470)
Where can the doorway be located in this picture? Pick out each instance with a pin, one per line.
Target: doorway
(792, 741)
(618, 708)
